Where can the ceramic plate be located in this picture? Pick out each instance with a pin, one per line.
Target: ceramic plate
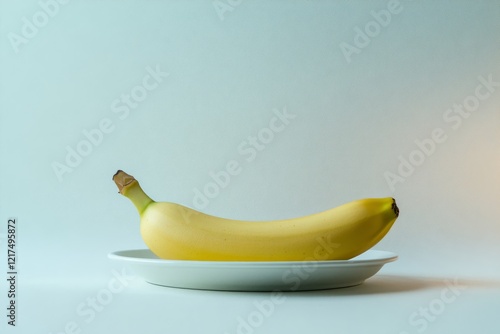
(253, 276)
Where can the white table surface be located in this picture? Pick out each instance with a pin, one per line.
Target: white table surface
(389, 302)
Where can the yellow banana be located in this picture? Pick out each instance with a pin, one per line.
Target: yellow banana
(175, 232)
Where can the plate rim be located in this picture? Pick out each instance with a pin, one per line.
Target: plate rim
(385, 257)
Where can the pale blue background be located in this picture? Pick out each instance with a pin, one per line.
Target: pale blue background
(353, 121)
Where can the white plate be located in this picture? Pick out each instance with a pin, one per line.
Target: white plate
(253, 276)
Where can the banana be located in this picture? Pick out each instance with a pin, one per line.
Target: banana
(175, 232)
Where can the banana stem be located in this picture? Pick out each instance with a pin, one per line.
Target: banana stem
(130, 188)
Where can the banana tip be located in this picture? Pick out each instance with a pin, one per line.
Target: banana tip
(395, 207)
